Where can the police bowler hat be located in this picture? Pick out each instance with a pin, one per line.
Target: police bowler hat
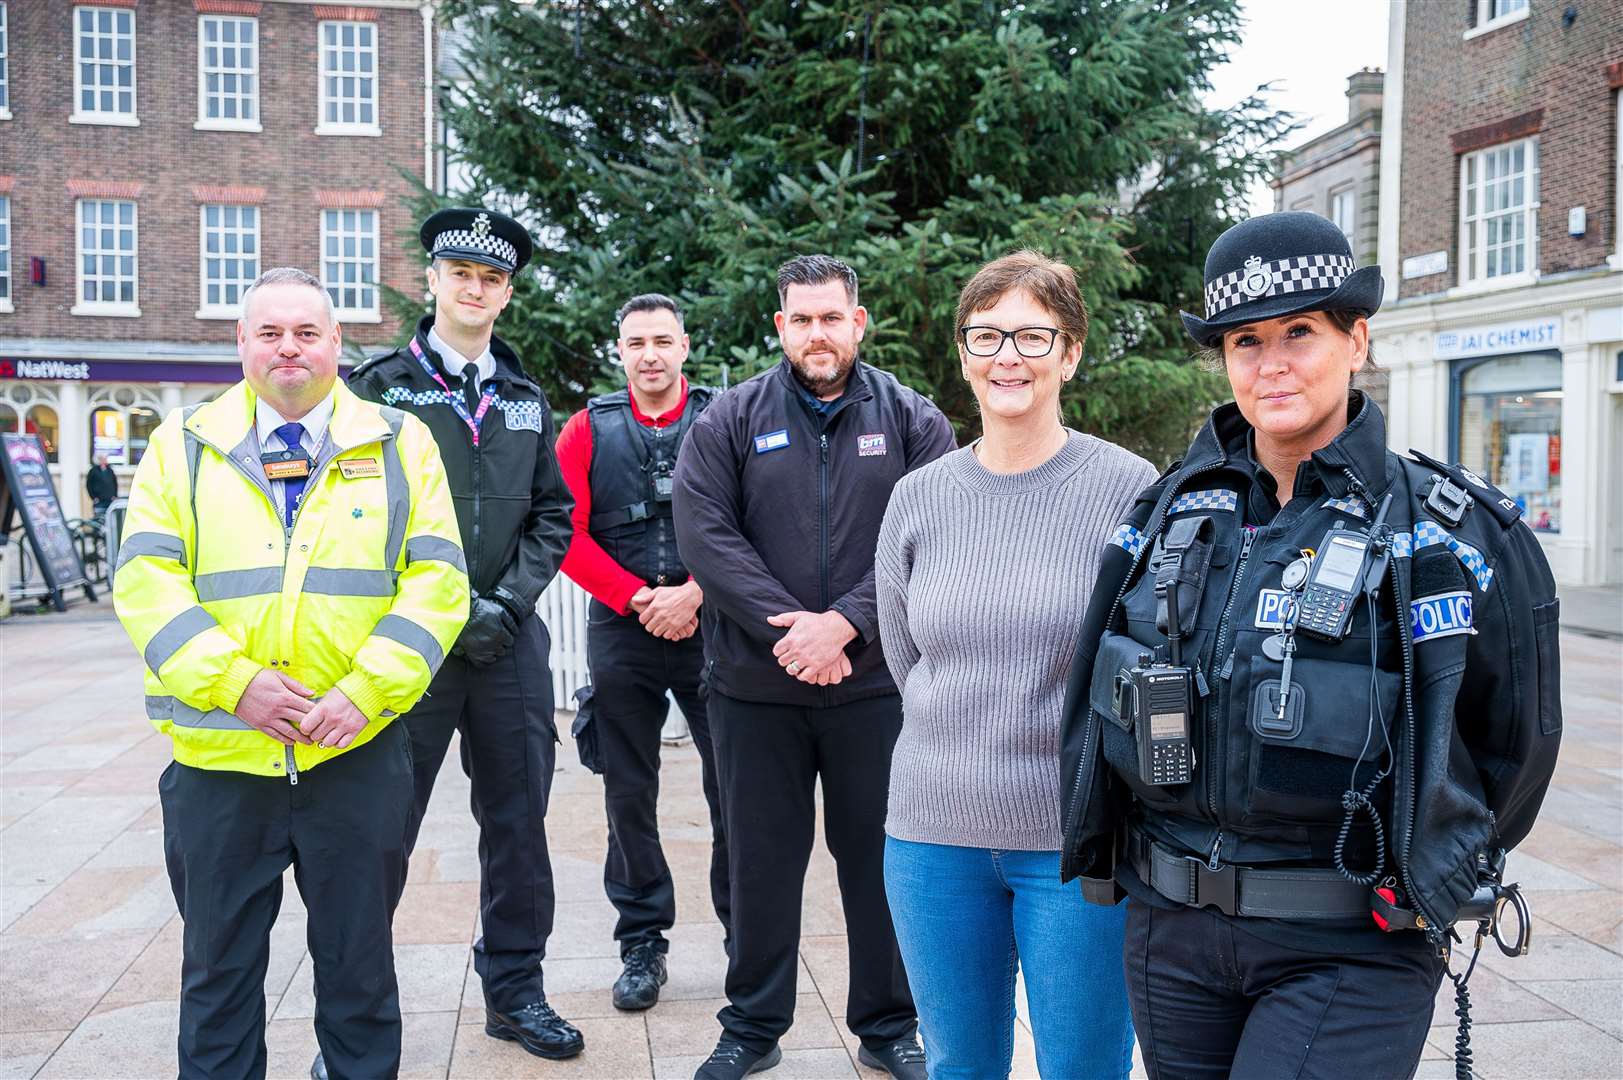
(1281, 264)
(477, 235)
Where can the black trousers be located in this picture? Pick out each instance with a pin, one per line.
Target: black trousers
(770, 758)
(504, 712)
(631, 671)
(1210, 1000)
(227, 838)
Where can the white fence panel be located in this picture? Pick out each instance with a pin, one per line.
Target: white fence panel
(563, 609)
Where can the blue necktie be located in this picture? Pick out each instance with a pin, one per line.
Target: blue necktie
(292, 490)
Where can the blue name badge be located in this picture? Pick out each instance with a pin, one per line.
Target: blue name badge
(1272, 605)
(772, 440)
(1440, 616)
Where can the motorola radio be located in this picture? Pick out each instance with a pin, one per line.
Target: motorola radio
(1341, 572)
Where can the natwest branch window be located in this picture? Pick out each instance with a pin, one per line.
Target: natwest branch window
(1510, 431)
(1499, 213)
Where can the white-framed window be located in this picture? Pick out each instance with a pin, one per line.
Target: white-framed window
(104, 66)
(107, 258)
(349, 262)
(1617, 188)
(1499, 213)
(227, 73)
(1343, 211)
(5, 66)
(230, 258)
(349, 79)
(5, 253)
(1492, 14)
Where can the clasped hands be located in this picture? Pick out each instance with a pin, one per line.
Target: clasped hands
(669, 611)
(813, 650)
(286, 710)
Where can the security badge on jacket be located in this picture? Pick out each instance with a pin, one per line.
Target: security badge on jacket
(291, 464)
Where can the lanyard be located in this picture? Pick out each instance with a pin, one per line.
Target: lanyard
(478, 417)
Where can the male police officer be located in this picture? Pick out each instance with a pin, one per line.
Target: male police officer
(779, 494)
(618, 456)
(291, 574)
(494, 427)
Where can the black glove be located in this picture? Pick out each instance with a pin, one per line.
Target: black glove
(489, 632)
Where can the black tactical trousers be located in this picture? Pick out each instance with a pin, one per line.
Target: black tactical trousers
(631, 671)
(770, 758)
(227, 838)
(504, 712)
(1211, 1000)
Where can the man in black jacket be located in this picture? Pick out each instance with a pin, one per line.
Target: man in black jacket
(494, 429)
(102, 484)
(780, 491)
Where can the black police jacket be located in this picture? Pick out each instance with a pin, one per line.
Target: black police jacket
(1462, 702)
(632, 474)
(778, 510)
(512, 505)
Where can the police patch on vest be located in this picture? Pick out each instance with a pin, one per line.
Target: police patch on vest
(1272, 606)
(520, 415)
(1440, 616)
(871, 445)
(772, 440)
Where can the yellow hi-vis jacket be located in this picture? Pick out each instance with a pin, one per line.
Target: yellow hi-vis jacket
(365, 592)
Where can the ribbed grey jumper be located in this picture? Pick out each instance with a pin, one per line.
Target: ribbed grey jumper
(983, 579)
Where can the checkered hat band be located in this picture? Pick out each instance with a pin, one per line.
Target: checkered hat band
(468, 240)
(1299, 273)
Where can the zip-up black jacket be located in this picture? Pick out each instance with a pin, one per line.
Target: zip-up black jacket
(1474, 719)
(778, 510)
(511, 501)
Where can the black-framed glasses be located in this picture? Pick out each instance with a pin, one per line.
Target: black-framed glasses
(1030, 342)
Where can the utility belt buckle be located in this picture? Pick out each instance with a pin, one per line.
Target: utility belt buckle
(637, 512)
(1219, 888)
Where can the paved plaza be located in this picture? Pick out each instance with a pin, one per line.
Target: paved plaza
(90, 942)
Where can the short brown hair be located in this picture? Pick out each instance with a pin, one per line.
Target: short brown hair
(1051, 283)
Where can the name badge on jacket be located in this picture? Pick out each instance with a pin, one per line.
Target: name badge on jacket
(358, 467)
(772, 440)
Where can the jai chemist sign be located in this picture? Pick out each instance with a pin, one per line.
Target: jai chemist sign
(1508, 337)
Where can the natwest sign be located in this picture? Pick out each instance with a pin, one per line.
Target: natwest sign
(1496, 338)
(147, 371)
(45, 369)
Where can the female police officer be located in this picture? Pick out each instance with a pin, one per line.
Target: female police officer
(1315, 698)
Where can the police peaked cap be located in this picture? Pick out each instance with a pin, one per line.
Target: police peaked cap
(477, 235)
(1281, 264)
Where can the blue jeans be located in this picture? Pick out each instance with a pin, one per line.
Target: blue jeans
(967, 919)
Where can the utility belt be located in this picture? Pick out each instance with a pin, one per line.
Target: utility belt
(1247, 891)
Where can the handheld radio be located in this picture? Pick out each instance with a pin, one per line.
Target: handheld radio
(1339, 575)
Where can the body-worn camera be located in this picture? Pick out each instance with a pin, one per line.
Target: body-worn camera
(662, 479)
(1156, 696)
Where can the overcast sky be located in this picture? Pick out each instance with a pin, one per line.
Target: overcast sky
(1306, 48)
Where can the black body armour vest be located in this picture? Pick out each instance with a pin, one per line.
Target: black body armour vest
(633, 467)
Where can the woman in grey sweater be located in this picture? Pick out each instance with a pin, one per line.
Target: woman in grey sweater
(985, 562)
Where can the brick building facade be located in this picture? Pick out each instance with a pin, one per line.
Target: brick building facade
(1502, 336)
(155, 155)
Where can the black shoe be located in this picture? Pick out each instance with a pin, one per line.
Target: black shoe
(903, 1059)
(731, 1061)
(638, 985)
(318, 1067)
(536, 1028)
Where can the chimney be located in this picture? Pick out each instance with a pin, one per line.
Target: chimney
(1364, 92)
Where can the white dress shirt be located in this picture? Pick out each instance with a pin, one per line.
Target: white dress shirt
(267, 420)
(454, 362)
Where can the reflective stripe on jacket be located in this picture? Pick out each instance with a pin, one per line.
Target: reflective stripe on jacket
(366, 592)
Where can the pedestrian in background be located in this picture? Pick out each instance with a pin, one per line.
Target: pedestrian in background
(494, 426)
(291, 574)
(779, 493)
(618, 456)
(985, 564)
(101, 484)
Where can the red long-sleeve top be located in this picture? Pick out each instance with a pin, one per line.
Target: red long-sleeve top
(586, 563)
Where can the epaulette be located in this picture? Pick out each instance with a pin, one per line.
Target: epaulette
(1177, 463)
(1457, 489)
(371, 362)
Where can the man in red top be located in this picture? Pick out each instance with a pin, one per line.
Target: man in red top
(618, 456)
